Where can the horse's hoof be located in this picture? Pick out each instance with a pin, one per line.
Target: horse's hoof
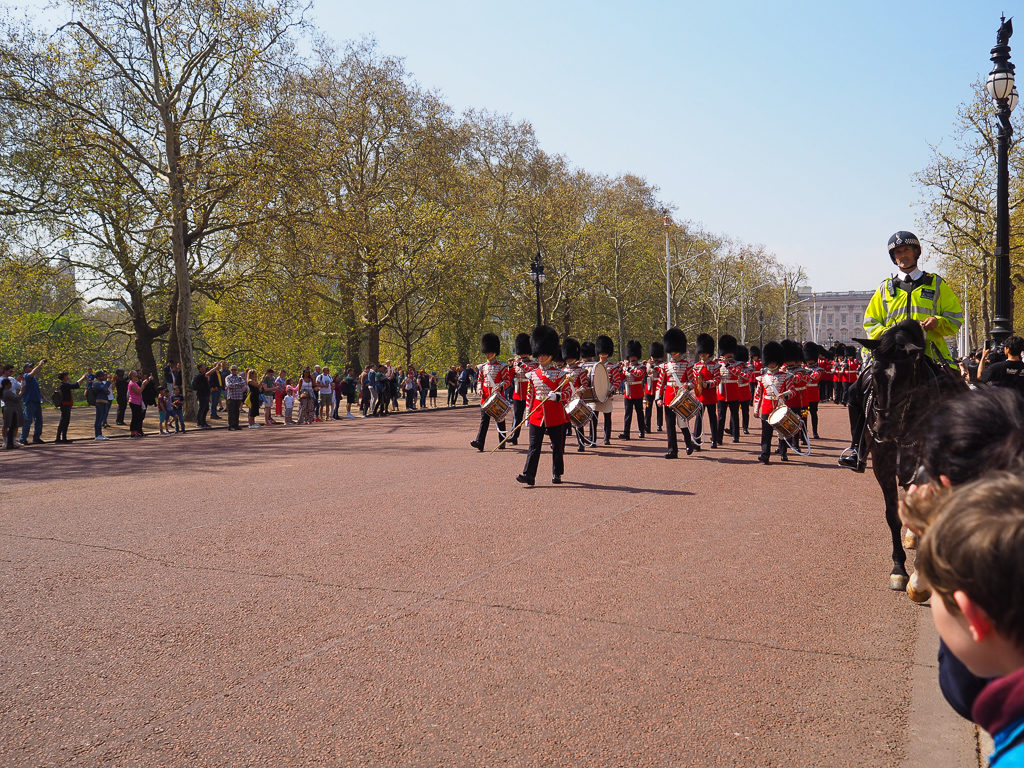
(910, 539)
(917, 590)
(897, 582)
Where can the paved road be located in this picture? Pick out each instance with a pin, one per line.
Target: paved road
(379, 593)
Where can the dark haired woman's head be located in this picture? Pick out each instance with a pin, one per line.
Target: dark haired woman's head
(974, 433)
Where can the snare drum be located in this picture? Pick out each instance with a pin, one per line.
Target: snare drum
(587, 395)
(579, 412)
(685, 404)
(496, 406)
(786, 420)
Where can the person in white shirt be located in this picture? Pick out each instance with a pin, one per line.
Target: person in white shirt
(325, 389)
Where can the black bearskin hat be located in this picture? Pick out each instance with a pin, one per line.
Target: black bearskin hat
(657, 350)
(792, 351)
(634, 349)
(523, 344)
(490, 342)
(727, 344)
(755, 351)
(773, 353)
(570, 349)
(705, 344)
(544, 341)
(675, 341)
(605, 346)
(812, 351)
(742, 355)
(587, 349)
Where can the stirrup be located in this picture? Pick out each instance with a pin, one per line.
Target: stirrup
(846, 460)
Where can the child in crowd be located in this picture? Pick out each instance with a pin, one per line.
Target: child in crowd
(163, 405)
(289, 402)
(972, 556)
(177, 414)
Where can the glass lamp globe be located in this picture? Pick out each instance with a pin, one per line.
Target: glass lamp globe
(1000, 84)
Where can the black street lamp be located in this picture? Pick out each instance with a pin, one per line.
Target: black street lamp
(1001, 88)
(537, 275)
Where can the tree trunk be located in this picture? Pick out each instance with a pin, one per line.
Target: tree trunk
(183, 285)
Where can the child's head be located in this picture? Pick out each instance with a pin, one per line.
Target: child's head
(177, 389)
(972, 556)
(162, 390)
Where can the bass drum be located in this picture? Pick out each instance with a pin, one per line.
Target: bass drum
(602, 386)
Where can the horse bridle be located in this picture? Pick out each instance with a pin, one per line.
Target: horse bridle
(880, 412)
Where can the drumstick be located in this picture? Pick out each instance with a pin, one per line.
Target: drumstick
(526, 418)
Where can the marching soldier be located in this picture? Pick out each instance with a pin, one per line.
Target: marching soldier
(657, 351)
(521, 365)
(793, 357)
(773, 389)
(605, 347)
(588, 355)
(579, 380)
(814, 355)
(731, 381)
(548, 384)
(825, 382)
(747, 390)
(634, 373)
(674, 376)
(838, 374)
(493, 376)
(705, 383)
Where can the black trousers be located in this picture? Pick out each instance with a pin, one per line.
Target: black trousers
(837, 391)
(137, 416)
(485, 423)
(122, 405)
(65, 420)
(234, 410)
(10, 433)
(204, 410)
(855, 406)
(556, 435)
(607, 426)
(634, 405)
(670, 429)
(824, 390)
(647, 413)
(766, 440)
(698, 423)
(733, 407)
(813, 409)
(745, 413)
(518, 411)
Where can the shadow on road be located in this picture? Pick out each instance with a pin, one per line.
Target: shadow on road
(624, 488)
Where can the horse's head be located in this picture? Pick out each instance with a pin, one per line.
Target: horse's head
(897, 355)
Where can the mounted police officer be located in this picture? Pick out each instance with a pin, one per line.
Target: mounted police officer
(911, 294)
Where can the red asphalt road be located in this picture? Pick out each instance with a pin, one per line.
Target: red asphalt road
(378, 593)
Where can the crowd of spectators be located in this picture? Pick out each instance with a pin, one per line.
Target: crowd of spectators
(221, 391)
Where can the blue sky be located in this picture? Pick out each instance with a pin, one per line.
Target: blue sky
(798, 125)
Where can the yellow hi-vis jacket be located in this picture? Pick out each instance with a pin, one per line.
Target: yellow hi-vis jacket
(932, 298)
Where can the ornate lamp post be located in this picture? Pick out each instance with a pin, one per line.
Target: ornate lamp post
(537, 275)
(1001, 88)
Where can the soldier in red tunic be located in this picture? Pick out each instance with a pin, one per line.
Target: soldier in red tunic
(657, 351)
(633, 374)
(773, 389)
(793, 355)
(732, 380)
(814, 356)
(746, 391)
(521, 365)
(579, 380)
(494, 375)
(705, 382)
(588, 353)
(674, 376)
(548, 386)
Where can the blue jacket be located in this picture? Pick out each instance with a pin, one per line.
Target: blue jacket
(999, 709)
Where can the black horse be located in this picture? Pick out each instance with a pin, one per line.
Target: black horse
(901, 386)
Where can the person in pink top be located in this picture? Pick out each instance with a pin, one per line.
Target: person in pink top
(135, 403)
